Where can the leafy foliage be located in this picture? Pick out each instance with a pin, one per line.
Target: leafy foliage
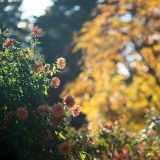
(114, 142)
(30, 128)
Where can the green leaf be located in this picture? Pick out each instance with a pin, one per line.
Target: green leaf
(62, 136)
(85, 156)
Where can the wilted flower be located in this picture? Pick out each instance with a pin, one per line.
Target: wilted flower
(58, 121)
(9, 115)
(22, 113)
(47, 67)
(58, 110)
(76, 111)
(38, 67)
(65, 148)
(8, 42)
(61, 63)
(42, 109)
(69, 101)
(46, 134)
(55, 82)
(36, 31)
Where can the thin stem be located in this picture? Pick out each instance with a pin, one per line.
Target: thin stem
(34, 47)
(113, 145)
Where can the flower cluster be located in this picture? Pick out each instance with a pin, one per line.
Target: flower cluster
(58, 110)
(71, 105)
(26, 80)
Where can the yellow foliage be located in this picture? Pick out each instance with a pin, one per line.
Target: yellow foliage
(121, 71)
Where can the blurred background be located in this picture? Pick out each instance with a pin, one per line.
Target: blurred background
(111, 47)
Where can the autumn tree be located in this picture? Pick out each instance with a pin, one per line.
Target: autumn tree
(121, 61)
